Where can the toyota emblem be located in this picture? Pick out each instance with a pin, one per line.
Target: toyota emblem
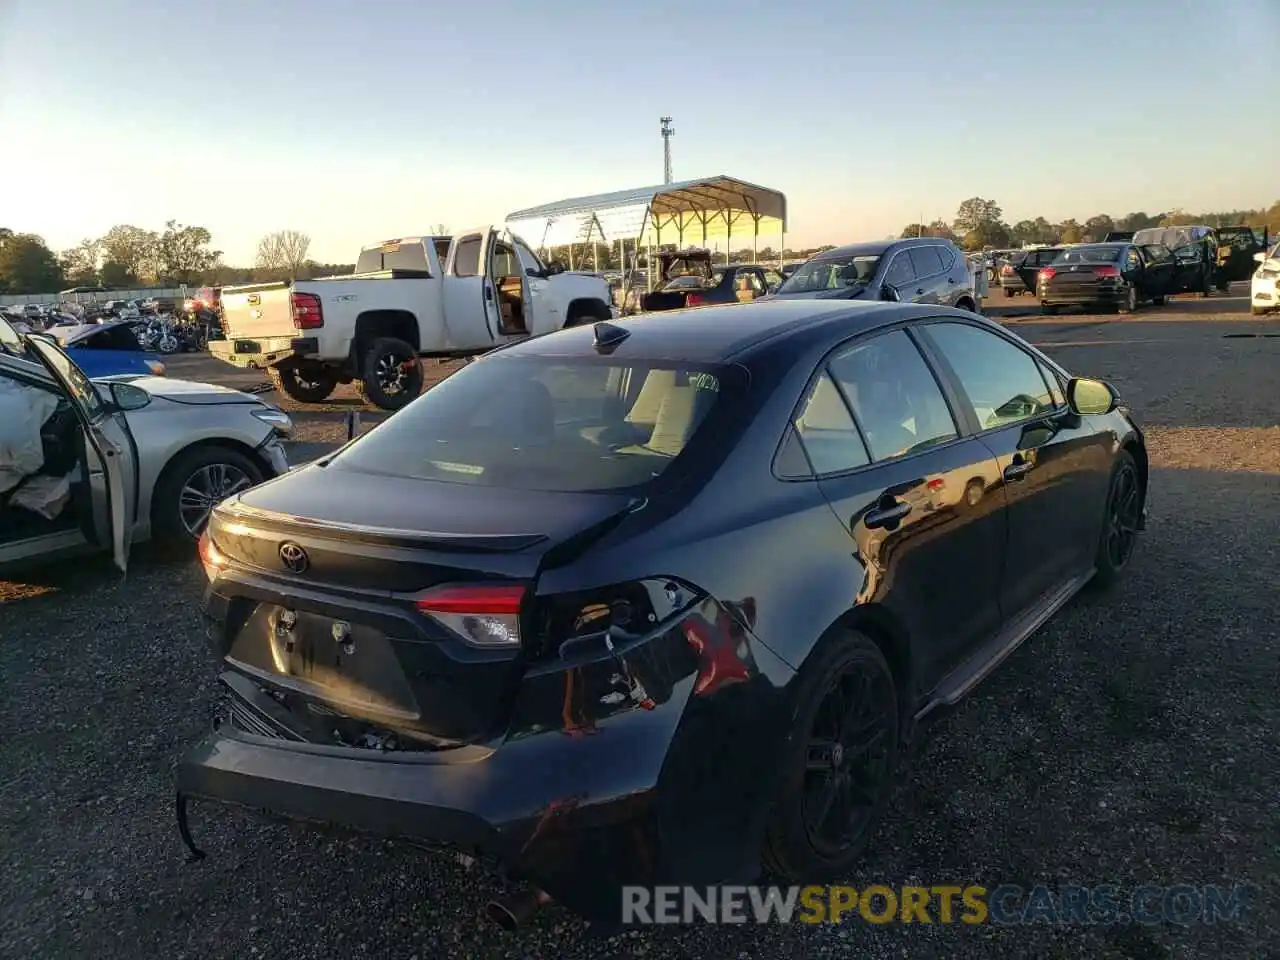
(294, 557)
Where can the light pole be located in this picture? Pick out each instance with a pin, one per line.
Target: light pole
(668, 132)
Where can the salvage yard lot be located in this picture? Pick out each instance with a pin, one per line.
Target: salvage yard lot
(1133, 740)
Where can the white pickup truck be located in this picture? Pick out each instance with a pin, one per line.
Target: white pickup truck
(414, 297)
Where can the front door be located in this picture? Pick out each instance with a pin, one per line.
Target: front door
(900, 275)
(1053, 467)
(922, 506)
(113, 479)
(546, 315)
(470, 304)
(509, 287)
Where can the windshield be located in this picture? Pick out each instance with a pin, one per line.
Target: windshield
(833, 273)
(1089, 255)
(545, 423)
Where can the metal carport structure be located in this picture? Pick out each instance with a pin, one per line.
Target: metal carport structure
(670, 213)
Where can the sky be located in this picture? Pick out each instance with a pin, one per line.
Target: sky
(355, 122)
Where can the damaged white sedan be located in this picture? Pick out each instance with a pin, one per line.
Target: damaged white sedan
(100, 464)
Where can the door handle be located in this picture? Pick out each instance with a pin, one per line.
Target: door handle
(488, 292)
(887, 513)
(1018, 469)
(920, 292)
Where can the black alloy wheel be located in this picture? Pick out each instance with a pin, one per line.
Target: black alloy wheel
(839, 772)
(1121, 522)
(847, 766)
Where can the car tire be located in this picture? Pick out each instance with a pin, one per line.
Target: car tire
(376, 371)
(212, 469)
(1159, 301)
(1049, 310)
(793, 850)
(590, 315)
(306, 384)
(1121, 520)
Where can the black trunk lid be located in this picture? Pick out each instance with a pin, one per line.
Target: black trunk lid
(320, 589)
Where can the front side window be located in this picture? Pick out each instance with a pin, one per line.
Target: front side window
(926, 261)
(1002, 382)
(894, 395)
(545, 423)
(900, 270)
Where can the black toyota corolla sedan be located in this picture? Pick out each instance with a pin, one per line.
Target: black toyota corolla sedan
(658, 601)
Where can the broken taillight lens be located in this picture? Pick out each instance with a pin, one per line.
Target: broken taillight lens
(211, 558)
(484, 615)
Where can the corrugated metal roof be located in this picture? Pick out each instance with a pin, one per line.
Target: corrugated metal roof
(718, 206)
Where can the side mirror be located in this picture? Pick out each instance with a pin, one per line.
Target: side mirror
(1091, 398)
(889, 292)
(125, 397)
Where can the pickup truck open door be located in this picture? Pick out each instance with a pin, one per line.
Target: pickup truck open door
(471, 312)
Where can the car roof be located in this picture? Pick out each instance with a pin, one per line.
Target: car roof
(729, 332)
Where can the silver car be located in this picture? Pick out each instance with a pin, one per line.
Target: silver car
(109, 462)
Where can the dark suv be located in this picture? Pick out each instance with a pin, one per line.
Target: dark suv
(916, 270)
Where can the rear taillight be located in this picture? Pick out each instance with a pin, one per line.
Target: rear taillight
(211, 558)
(307, 312)
(484, 615)
(1106, 271)
(1006, 271)
(693, 300)
(1047, 273)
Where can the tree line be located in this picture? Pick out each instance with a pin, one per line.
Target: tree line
(980, 224)
(128, 256)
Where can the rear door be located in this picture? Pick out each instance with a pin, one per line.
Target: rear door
(1161, 268)
(1029, 269)
(113, 458)
(922, 505)
(470, 303)
(1054, 469)
(931, 275)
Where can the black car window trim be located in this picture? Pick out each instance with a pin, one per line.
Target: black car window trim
(964, 422)
(934, 353)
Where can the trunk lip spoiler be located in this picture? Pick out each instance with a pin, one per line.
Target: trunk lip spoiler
(240, 514)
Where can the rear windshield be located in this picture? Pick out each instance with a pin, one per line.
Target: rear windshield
(546, 423)
(1089, 255)
(393, 256)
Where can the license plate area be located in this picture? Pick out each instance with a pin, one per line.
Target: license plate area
(345, 664)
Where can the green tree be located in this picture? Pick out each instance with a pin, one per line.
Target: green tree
(1099, 226)
(1070, 232)
(80, 263)
(975, 212)
(27, 265)
(989, 234)
(1177, 217)
(131, 251)
(183, 253)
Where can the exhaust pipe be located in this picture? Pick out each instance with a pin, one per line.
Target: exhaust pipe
(510, 913)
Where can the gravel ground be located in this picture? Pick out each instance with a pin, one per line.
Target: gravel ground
(1135, 739)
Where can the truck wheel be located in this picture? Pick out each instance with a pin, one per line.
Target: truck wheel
(590, 315)
(306, 384)
(390, 374)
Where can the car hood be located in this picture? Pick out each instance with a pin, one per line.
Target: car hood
(188, 391)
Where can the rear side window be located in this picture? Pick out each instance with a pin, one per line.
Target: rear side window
(827, 430)
(393, 256)
(467, 260)
(927, 261)
(546, 423)
(894, 395)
